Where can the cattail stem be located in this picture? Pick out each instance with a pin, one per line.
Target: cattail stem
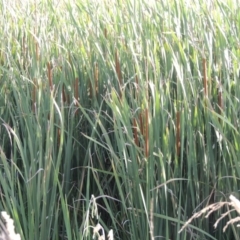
(49, 74)
(178, 137)
(205, 85)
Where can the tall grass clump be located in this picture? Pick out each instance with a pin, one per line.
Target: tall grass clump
(119, 118)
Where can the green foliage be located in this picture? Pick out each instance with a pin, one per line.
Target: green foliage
(134, 102)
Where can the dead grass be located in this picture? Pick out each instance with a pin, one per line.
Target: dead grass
(234, 203)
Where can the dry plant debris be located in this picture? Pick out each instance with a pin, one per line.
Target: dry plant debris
(234, 202)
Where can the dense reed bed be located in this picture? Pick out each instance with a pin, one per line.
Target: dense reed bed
(120, 115)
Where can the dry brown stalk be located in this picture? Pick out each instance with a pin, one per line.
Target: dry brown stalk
(141, 123)
(105, 32)
(90, 88)
(64, 98)
(205, 77)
